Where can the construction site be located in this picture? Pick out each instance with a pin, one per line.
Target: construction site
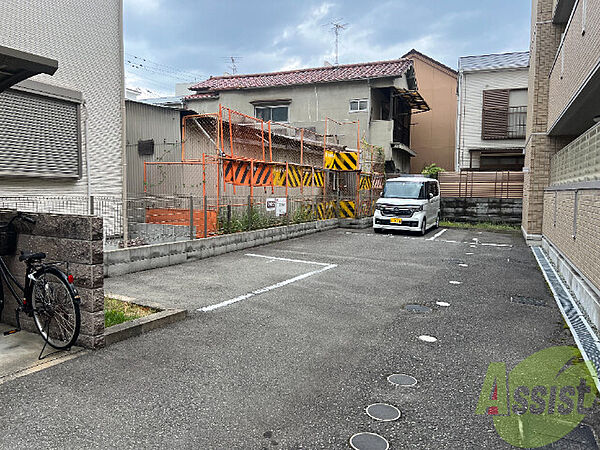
(239, 173)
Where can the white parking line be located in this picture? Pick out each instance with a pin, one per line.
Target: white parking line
(254, 255)
(324, 267)
(438, 234)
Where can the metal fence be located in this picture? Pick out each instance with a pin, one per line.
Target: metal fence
(154, 219)
(232, 173)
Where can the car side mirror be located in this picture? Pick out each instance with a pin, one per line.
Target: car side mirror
(430, 195)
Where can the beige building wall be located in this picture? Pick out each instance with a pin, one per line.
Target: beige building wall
(578, 56)
(433, 135)
(545, 38)
(575, 232)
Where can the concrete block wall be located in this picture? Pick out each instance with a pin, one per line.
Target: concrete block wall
(136, 259)
(579, 240)
(76, 241)
(482, 209)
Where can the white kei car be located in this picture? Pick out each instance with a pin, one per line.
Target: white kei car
(410, 203)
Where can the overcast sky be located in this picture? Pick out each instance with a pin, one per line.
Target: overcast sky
(184, 40)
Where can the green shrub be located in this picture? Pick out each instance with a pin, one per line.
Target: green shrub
(432, 170)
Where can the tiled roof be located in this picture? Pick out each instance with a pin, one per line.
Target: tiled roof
(514, 60)
(326, 74)
(204, 95)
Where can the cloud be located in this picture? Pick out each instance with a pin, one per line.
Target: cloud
(142, 6)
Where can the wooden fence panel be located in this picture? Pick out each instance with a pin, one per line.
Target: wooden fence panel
(501, 184)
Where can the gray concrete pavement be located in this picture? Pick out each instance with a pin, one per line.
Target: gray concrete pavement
(296, 366)
(19, 354)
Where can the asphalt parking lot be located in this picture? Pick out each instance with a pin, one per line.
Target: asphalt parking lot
(288, 343)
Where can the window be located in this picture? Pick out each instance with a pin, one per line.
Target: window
(517, 113)
(359, 105)
(405, 189)
(433, 188)
(39, 135)
(504, 114)
(273, 113)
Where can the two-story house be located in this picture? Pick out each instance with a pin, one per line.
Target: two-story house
(381, 95)
(433, 135)
(492, 111)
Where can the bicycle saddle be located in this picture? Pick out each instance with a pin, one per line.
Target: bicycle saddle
(30, 256)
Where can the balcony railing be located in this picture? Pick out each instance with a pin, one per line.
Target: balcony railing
(517, 122)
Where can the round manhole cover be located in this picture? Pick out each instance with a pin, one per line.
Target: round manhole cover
(368, 441)
(417, 308)
(383, 412)
(400, 379)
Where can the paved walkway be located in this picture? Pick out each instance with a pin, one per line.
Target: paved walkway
(280, 352)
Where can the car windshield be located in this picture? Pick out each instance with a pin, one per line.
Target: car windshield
(404, 189)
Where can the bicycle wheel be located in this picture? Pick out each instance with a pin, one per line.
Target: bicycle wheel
(55, 308)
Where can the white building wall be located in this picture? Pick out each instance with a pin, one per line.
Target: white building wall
(86, 40)
(472, 85)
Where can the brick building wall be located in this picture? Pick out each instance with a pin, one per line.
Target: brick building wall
(76, 241)
(545, 38)
(579, 239)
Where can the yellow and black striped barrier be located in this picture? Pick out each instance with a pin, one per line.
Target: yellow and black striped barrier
(346, 161)
(294, 176)
(326, 210)
(346, 209)
(318, 179)
(279, 176)
(365, 182)
(307, 177)
(328, 159)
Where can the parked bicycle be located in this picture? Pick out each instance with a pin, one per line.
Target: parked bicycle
(48, 295)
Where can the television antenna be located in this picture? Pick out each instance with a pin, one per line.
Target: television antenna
(233, 63)
(337, 26)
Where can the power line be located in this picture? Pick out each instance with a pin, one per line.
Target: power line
(139, 62)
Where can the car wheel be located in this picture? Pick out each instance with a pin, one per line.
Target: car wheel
(423, 227)
(377, 230)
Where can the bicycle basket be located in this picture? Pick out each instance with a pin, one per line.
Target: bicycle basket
(8, 239)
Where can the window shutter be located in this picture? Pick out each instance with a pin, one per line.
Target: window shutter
(495, 114)
(39, 136)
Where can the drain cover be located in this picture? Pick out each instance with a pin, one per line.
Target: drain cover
(417, 308)
(368, 441)
(383, 412)
(528, 301)
(399, 379)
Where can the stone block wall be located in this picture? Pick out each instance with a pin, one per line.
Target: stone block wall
(482, 209)
(75, 241)
(575, 232)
